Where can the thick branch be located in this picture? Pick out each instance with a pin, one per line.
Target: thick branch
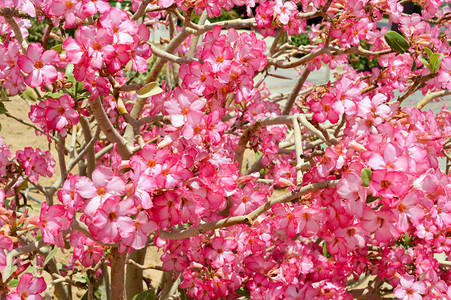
(107, 128)
(249, 218)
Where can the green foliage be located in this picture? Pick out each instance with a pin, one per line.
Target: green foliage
(147, 295)
(300, 39)
(397, 42)
(3, 109)
(366, 177)
(432, 61)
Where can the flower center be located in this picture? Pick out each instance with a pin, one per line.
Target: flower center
(151, 163)
(61, 110)
(385, 184)
(69, 4)
(101, 191)
(38, 64)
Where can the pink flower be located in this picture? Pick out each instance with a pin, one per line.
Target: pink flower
(388, 184)
(5, 244)
(39, 64)
(28, 288)
(185, 109)
(409, 289)
(138, 238)
(60, 114)
(111, 221)
(221, 252)
(51, 223)
(103, 185)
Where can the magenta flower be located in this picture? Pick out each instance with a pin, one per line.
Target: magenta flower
(39, 65)
(409, 289)
(5, 244)
(28, 288)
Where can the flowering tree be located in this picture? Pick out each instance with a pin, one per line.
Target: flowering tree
(160, 156)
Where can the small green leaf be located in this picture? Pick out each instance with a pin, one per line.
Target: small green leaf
(149, 90)
(147, 295)
(371, 198)
(428, 51)
(53, 95)
(69, 70)
(436, 64)
(414, 66)
(3, 109)
(29, 94)
(97, 294)
(366, 176)
(426, 63)
(325, 252)
(22, 186)
(58, 48)
(50, 256)
(13, 282)
(0, 126)
(243, 292)
(397, 42)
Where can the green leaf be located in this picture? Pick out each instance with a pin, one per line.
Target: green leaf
(436, 61)
(22, 186)
(69, 70)
(50, 256)
(149, 90)
(366, 176)
(325, 252)
(97, 294)
(53, 95)
(0, 126)
(147, 295)
(428, 51)
(58, 48)
(426, 63)
(414, 66)
(243, 292)
(13, 282)
(3, 109)
(397, 42)
(371, 198)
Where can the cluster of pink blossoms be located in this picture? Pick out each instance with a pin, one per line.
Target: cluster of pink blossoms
(387, 214)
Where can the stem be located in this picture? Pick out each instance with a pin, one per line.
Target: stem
(431, 97)
(108, 129)
(295, 92)
(89, 149)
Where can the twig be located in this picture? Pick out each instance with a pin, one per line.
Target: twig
(428, 98)
(299, 151)
(141, 10)
(307, 125)
(416, 83)
(295, 92)
(142, 267)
